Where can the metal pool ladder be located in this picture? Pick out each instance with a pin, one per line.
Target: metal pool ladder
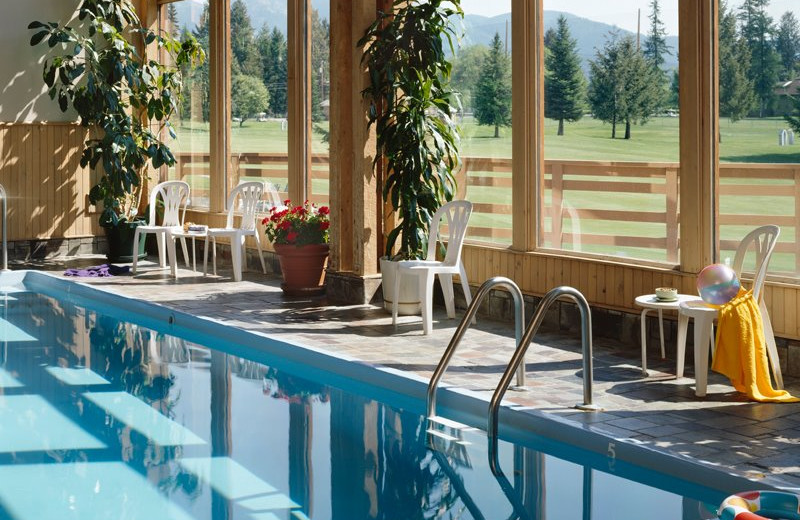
(515, 364)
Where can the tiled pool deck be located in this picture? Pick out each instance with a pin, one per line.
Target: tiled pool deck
(758, 440)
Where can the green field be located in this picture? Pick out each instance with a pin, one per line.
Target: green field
(749, 140)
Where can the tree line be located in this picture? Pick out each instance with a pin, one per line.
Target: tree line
(258, 66)
(627, 83)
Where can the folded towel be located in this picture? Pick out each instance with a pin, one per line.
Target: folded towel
(741, 352)
(98, 271)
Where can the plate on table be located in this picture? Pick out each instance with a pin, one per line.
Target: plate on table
(666, 300)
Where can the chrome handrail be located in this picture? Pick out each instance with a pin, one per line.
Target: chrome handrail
(472, 309)
(522, 347)
(3, 197)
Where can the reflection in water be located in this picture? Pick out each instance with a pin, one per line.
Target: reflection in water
(265, 444)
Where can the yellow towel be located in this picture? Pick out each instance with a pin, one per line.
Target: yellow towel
(741, 352)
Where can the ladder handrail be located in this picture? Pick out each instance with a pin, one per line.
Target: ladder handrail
(522, 347)
(472, 309)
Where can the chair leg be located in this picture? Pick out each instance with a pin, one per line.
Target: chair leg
(465, 288)
(205, 257)
(161, 253)
(683, 328)
(260, 252)
(135, 251)
(426, 300)
(236, 257)
(661, 332)
(446, 281)
(396, 297)
(171, 255)
(185, 253)
(214, 254)
(702, 331)
(643, 328)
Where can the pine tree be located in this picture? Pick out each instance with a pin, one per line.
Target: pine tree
(564, 84)
(245, 59)
(172, 21)
(787, 43)
(655, 45)
(623, 85)
(736, 90)
(272, 49)
(320, 63)
(757, 29)
(493, 90)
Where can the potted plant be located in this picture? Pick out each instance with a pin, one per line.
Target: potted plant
(411, 106)
(126, 99)
(299, 235)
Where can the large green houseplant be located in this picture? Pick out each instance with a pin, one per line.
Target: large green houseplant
(101, 68)
(411, 106)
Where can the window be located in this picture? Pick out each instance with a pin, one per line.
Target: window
(611, 129)
(318, 180)
(191, 145)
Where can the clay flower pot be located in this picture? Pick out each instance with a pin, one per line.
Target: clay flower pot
(303, 268)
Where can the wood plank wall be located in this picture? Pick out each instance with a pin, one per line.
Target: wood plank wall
(47, 188)
(610, 284)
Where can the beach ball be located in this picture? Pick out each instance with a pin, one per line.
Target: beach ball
(717, 284)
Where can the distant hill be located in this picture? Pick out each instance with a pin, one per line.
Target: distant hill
(590, 35)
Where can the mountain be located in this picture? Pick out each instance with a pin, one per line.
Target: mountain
(590, 35)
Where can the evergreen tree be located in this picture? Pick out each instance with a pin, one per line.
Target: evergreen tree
(172, 21)
(245, 59)
(272, 49)
(623, 85)
(655, 45)
(320, 63)
(757, 28)
(787, 43)
(794, 119)
(493, 90)
(467, 65)
(736, 89)
(195, 104)
(564, 84)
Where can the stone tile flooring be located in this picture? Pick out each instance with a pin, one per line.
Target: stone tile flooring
(757, 440)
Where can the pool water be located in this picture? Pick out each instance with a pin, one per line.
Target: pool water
(105, 419)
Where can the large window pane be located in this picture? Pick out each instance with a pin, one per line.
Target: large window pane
(482, 77)
(759, 67)
(258, 69)
(611, 128)
(318, 175)
(191, 124)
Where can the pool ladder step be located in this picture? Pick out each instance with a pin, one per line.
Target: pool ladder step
(516, 364)
(449, 430)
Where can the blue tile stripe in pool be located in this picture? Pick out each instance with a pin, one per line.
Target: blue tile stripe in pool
(10, 332)
(76, 376)
(143, 418)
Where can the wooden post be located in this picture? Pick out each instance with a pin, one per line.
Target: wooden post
(298, 42)
(671, 188)
(557, 206)
(527, 119)
(220, 104)
(699, 130)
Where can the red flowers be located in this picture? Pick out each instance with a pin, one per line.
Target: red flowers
(299, 225)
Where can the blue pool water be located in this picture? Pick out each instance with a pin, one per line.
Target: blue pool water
(109, 419)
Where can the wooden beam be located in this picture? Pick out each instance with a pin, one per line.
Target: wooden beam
(220, 102)
(527, 141)
(699, 130)
(299, 96)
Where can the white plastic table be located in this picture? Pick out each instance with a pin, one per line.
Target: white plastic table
(649, 302)
(194, 235)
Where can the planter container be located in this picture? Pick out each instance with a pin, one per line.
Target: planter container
(120, 242)
(409, 302)
(303, 268)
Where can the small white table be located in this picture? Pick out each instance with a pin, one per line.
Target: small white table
(649, 302)
(194, 235)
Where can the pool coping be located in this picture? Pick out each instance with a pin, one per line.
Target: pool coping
(399, 388)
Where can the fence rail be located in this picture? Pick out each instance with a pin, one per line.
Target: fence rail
(612, 207)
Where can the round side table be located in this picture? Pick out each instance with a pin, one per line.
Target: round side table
(649, 302)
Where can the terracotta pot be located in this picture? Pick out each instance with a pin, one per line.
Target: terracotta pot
(303, 268)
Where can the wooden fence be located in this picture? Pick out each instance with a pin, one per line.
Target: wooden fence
(612, 208)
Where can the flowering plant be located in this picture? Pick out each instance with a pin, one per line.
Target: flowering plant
(297, 225)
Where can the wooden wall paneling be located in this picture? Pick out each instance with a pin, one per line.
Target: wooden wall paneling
(790, 311)
(51, 218)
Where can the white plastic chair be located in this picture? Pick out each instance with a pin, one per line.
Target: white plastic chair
(763, 240)
(175, 196)
(249, 194)
(456, 215)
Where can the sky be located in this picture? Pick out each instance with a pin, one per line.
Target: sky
(622, 13)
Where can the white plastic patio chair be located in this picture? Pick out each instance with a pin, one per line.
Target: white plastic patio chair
(175, 196)
(456, 215)
(763, 240)
(249, 195)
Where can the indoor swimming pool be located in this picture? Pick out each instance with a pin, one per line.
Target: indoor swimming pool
(116, 409)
